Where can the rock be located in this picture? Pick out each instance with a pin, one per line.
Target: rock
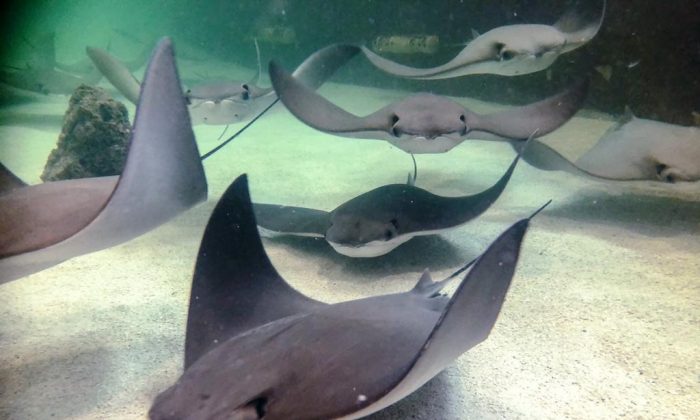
(94, 138)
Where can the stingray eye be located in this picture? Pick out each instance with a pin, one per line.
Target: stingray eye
(666, 177)
(255, 409)
(388, 234)
(395, 223)
(394, 131)
(502, 53)
(246, 92)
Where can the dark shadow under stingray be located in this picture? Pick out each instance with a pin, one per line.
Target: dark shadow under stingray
(408, 258)
(649, 215)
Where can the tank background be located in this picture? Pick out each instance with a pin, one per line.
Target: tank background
(664, 37)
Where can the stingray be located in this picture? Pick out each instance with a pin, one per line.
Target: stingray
(508, 50)
(43, 225)
(634, 149)
(426, 123)
(41, 73)
(257, 348)
(226, 102)
(376, 222)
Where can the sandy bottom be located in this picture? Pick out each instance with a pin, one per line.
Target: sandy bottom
(602, 320)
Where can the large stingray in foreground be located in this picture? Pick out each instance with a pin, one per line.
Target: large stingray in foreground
(426, 123)
(508, 50)
(636, 149)
(376, 222)
(227, 102)
(258, 349)
(43, 225)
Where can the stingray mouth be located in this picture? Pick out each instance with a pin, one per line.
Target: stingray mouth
(370, 249)
(418, 144)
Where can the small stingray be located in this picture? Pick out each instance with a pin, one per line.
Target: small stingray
(376, 222)
(43, 74)
(256, 348)
(227, 102)
(43, 225)
(426, 123)
(635, 149)
(507, 50)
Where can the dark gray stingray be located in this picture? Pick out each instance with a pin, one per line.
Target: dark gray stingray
(633, 150)
(376, 222)
(226, 102)
(510, 50)
(256, 348)
(426, 123)
(43, 225)
(41, 73)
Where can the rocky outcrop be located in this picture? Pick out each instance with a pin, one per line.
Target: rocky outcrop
(94, 138)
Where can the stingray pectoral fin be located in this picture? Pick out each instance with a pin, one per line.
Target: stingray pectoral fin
(467, 319)
(116, 72)
(289, 220)
(8, 180)
(163, 175)
(542, 156)
(235, 287)
(318, 112)
(460, 65)
(544, 116)
(580, 26)
(321, 65)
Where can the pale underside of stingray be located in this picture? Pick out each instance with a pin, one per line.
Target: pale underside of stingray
(634, 150)
(376, 222)
(43, 225)
(426, 123)
(256, 348)
(509, 50)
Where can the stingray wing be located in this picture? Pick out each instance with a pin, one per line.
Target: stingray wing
(542, 117)
(116, 72)
(542, 156)
(321, 65)
(289, 220)
(235, 287)
(163, 175)
(318, 112)
(467, 319)
(460, 65)
(580, 26)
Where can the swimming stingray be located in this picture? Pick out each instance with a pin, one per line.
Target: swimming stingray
(226, 102)
(41, 73)
(634, 149)
(376, 222)
(43, 225)
(507, 50)
(426, 123)
(258, 349)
